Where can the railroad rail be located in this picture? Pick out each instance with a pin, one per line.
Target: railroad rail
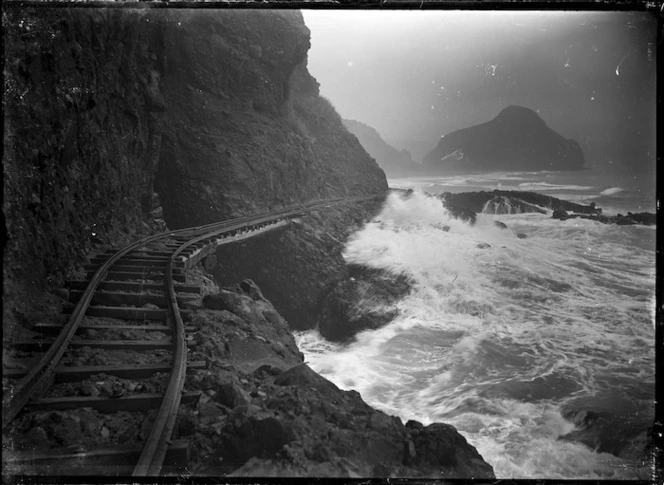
(121, 287)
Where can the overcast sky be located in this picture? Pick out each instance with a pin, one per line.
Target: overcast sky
(416, 75)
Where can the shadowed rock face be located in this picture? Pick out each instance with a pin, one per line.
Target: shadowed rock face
(516, 139)
(245, 128)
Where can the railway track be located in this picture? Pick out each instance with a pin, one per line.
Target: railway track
(131, 304)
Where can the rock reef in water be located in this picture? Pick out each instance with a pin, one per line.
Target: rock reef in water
(365, 300)
(465, 205)
(516, 139)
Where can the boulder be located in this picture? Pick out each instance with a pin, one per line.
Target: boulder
(363, 301)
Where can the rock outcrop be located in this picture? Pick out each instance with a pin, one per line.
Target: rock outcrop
(516, 139)
(391, 160)
(299, 265)
(245, 129)
(365, 300)
(465, 205)
(265, 413)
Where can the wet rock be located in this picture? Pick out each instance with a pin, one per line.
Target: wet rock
(500, 224)
(521, 235)
(483, 245)
(446, 228)
(364, 301)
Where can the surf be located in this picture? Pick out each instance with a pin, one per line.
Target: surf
(503, 336)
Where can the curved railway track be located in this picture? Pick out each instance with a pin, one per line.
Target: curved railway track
(134, 287)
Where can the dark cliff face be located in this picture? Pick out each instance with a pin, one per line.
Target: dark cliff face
(393, 161)
(245, 127)
(212, 110)
(516, 139)
(81, 134)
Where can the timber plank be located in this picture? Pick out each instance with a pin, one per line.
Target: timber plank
(99, 344)
(132, 286)
(72, 374)
(133, 402)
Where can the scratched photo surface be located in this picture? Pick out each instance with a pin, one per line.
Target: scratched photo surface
(329, 243)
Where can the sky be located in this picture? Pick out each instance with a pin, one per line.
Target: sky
(417, 75)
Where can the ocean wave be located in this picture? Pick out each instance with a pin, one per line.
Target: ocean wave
(548, 314)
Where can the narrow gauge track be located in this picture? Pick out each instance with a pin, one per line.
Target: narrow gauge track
(129, 277)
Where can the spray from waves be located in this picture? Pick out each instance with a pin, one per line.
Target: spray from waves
(497, 341)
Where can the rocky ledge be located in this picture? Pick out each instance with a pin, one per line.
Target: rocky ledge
(264, 412)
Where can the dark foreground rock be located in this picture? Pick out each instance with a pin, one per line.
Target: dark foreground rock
(363, 301)
(265, 413)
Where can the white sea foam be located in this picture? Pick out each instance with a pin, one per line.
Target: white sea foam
(496, 340)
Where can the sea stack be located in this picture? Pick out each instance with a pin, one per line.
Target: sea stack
(516, 139)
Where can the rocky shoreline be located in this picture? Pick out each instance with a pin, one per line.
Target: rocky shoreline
(265, 413)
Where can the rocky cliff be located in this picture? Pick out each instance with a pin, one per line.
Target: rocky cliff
(240, 102)
(391, 160)
(516, 139)
(110, 111)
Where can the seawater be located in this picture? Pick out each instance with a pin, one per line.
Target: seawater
(500, 341)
